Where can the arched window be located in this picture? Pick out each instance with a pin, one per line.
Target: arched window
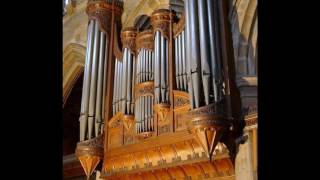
(71, 113)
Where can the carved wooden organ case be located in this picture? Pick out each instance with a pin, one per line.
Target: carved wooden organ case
(153, 103)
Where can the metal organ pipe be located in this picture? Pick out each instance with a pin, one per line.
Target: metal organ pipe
(104, 80)
(184, 72)
(157, 67)
(202, 43)
(195, 54)
(213, 52)
(163, 68)
(124, 80)
(176, 62)
(98, 106)
(93, 82)
(204, 49)
(180, 62)
(114, 88)
(188, 53)
(86, 82)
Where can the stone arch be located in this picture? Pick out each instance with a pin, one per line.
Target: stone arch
(73, 66)
(243, 18)
(142, 8)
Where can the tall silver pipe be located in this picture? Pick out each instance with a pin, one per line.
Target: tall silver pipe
(93, 83)
(86, 82)
(176, 62)
(184, 72)
(163, 69)
(129, 82)
(120, 84)
(140, 66)
(152, 66)
(139, 114)
(152, 118)
(137, 68)
(105, 77)
(142, 113)
(195, 54)
(117, 85)
(124, 80)
(133, 83)
(157, 71)
(143, 63)
(188, 53)
(167, 70)
(114, 89)
(99, 97)
(148, 65)
(204, 48)
(180, 61)
(135, 118)
(145, 112)
(213, 50)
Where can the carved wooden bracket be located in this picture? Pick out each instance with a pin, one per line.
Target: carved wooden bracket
(128, 38)
(160, 21)
(101, 11)
(145, 40)
(208, 125)
(162, 110)
(128, 121)
(89, 153)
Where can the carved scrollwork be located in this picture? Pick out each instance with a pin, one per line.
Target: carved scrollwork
(102, 11)
(179, 27)
(128, 38)
(160, 20)
(145, 40)
(181, 99)
(144, 89)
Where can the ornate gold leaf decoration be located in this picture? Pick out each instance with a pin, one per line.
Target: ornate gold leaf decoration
(160, 21)
(128, 38)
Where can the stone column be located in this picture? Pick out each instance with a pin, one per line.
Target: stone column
(246, 159)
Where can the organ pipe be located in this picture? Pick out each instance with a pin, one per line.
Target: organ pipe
(157, 66)
(93, 83)
(98, 106)
(184, 72)
(86, 81)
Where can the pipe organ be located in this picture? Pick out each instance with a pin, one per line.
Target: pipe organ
(159, 92)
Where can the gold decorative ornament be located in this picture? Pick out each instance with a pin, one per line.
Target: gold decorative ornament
(160, 21)
(128, 38)
(101, 11)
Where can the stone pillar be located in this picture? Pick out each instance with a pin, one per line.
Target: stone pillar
(246, 159)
